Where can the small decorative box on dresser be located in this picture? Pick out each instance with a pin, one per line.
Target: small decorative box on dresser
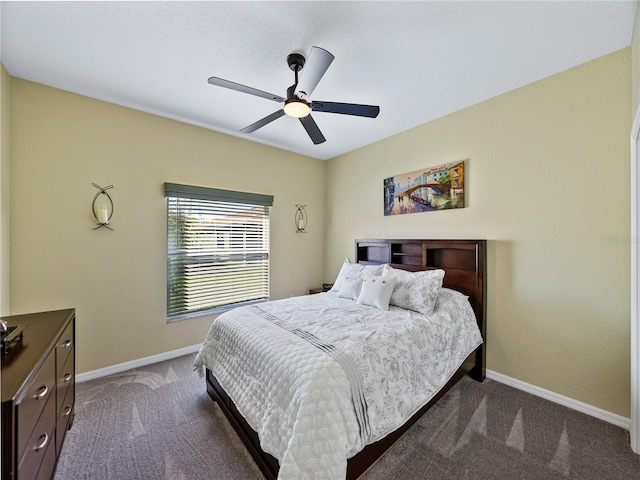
(38, 394)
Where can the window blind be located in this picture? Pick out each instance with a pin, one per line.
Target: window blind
(217, 250)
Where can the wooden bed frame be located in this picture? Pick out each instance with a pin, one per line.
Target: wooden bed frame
(465, 267)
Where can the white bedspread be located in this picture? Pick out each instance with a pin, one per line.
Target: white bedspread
(297, 390)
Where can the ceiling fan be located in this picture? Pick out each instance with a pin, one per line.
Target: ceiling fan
(297, 103)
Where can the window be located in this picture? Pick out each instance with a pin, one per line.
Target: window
(217, 250)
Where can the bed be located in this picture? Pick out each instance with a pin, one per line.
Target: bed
(354, 435)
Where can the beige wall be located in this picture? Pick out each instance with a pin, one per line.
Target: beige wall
(547, 185)
(5, 152)
(61, 143)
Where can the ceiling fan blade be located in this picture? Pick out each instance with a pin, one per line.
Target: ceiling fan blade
(370, 111)
(312, 129)
(220, 82)
(262, 122)
(314, 68)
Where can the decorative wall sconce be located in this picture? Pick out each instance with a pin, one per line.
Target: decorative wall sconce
(301, 219)
(102, 207)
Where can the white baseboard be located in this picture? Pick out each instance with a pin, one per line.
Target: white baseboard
(596, 412)
(141, 362)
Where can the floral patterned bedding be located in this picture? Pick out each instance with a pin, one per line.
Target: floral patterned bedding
(320, 377)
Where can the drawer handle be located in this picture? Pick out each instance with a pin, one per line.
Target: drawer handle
(67, 410)
(42, 392)
(67, 344)
(44, 442)
(66, 378)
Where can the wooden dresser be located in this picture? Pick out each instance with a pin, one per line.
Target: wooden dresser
(38, 394)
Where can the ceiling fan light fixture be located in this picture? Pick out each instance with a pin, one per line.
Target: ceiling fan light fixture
(297, 108)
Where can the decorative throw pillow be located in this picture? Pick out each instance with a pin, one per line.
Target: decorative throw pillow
(376, 291)
(354, 270)
(342, 274)
(350, 288)
(417, 291)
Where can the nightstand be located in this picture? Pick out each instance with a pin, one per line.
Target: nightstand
(325, 288)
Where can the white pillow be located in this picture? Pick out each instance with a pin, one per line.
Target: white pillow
(342, 274)
(354, 270)
(350, 288)
(376, 291)
(417, 291)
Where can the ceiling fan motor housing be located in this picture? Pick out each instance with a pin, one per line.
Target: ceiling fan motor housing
(294, 106)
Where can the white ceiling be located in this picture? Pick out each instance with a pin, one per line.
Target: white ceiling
(417, 60)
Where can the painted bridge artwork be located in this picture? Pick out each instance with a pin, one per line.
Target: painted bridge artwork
(436, 188)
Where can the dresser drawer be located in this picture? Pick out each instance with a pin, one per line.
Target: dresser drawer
(64, 345)
(38, 444)
(33, 403)
(65, 416)
(48, 464)
(66, 377)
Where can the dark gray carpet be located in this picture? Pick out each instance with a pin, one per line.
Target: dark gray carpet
(157, 422)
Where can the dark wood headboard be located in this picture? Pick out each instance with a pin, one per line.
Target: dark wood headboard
(464, 263)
